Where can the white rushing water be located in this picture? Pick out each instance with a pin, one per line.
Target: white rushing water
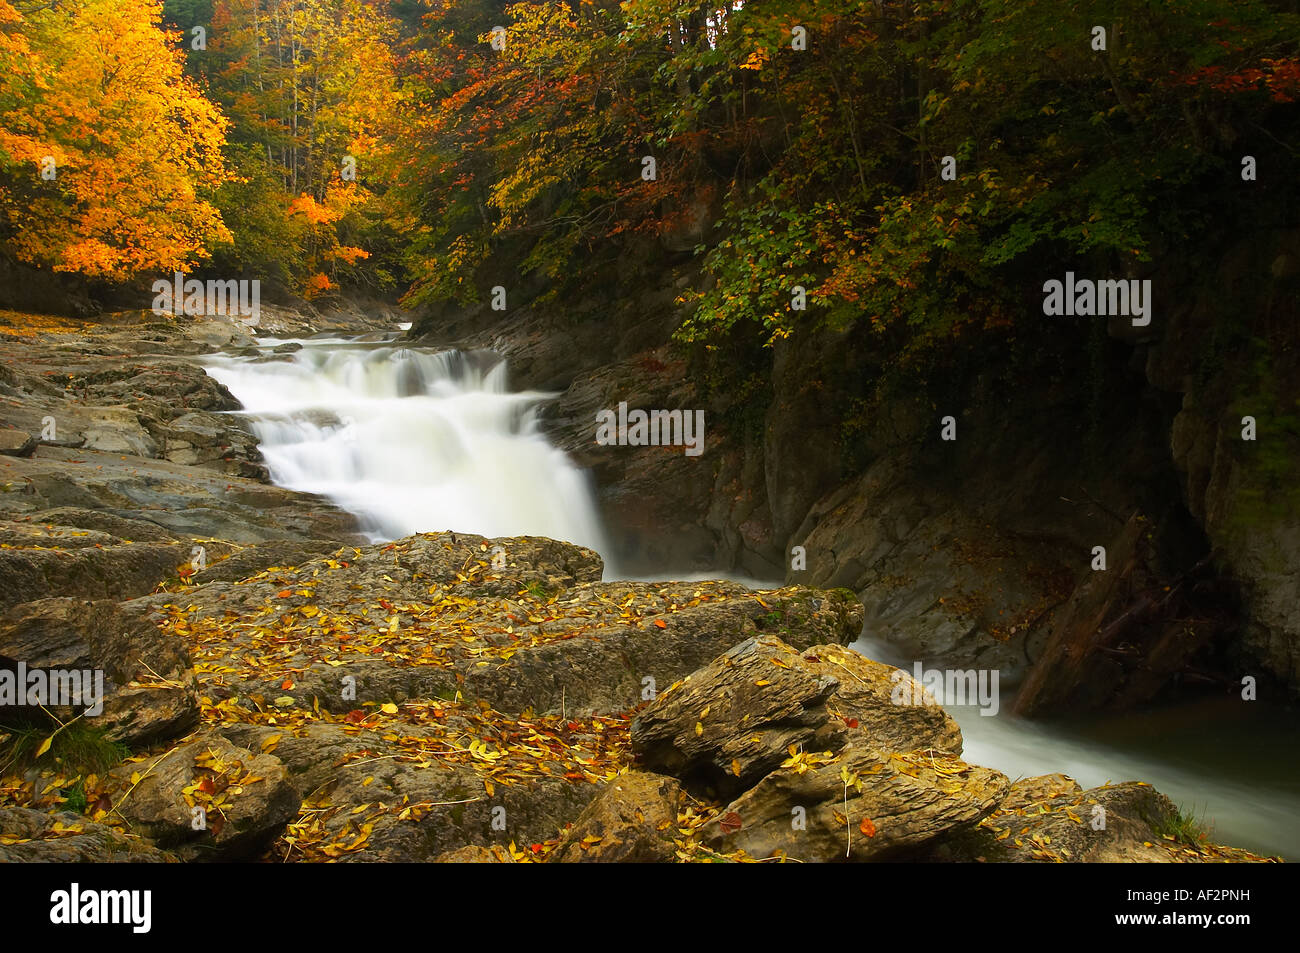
(411, 441)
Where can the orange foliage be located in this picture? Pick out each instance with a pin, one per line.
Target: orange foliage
(317, 284)
(351, 254)
(107, 152)
(316, 213)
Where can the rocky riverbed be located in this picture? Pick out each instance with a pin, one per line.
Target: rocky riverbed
(293, 694)
(411, 701)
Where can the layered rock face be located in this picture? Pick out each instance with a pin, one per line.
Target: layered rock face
(979, 550)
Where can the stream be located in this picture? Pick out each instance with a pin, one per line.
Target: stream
(414, 440)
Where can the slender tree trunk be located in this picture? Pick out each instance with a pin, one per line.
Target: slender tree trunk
(922, 75)
(261, 85)
(846, 104)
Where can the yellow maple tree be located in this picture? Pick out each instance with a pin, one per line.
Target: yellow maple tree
(108, 153)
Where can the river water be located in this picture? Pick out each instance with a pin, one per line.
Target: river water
(413, 440)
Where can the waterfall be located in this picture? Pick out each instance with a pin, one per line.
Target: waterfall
(410, 440)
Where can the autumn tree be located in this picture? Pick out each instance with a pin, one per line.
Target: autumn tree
(310, 90)
(109, 156)
(1060, 146)
(532, 126)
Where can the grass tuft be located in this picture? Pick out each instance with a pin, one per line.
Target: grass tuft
(75, 748)
(1182, 827)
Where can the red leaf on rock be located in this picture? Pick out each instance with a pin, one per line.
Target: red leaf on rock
(730, 822)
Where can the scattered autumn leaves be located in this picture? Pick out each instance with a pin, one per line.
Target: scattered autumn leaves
(255, 663)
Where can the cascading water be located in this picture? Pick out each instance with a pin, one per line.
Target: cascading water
(411, 441)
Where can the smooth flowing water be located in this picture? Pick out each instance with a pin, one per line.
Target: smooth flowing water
(410, 440)
(414, 441)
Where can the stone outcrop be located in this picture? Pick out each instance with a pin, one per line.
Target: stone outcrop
(816, 760)
(728, 726)
(423, 700)
(859, 803)
(571, 647)
(633, 821)
(207, 799)
(150, 691)
(1051, 819)
(38, 837)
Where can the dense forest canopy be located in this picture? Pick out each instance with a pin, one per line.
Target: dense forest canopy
(907, 164)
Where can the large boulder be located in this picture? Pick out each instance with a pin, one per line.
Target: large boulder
(607, 668)
(392, 795)
(890, 707)
(187, 501)
(1051, 819)
(858, 804)
(35, 837)
(823, 754)
(726, 726)
(149, 686)
(203, 438)
(118, 430)
(517, 623)
(113, 571)
(633, 820)
(208, 799)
